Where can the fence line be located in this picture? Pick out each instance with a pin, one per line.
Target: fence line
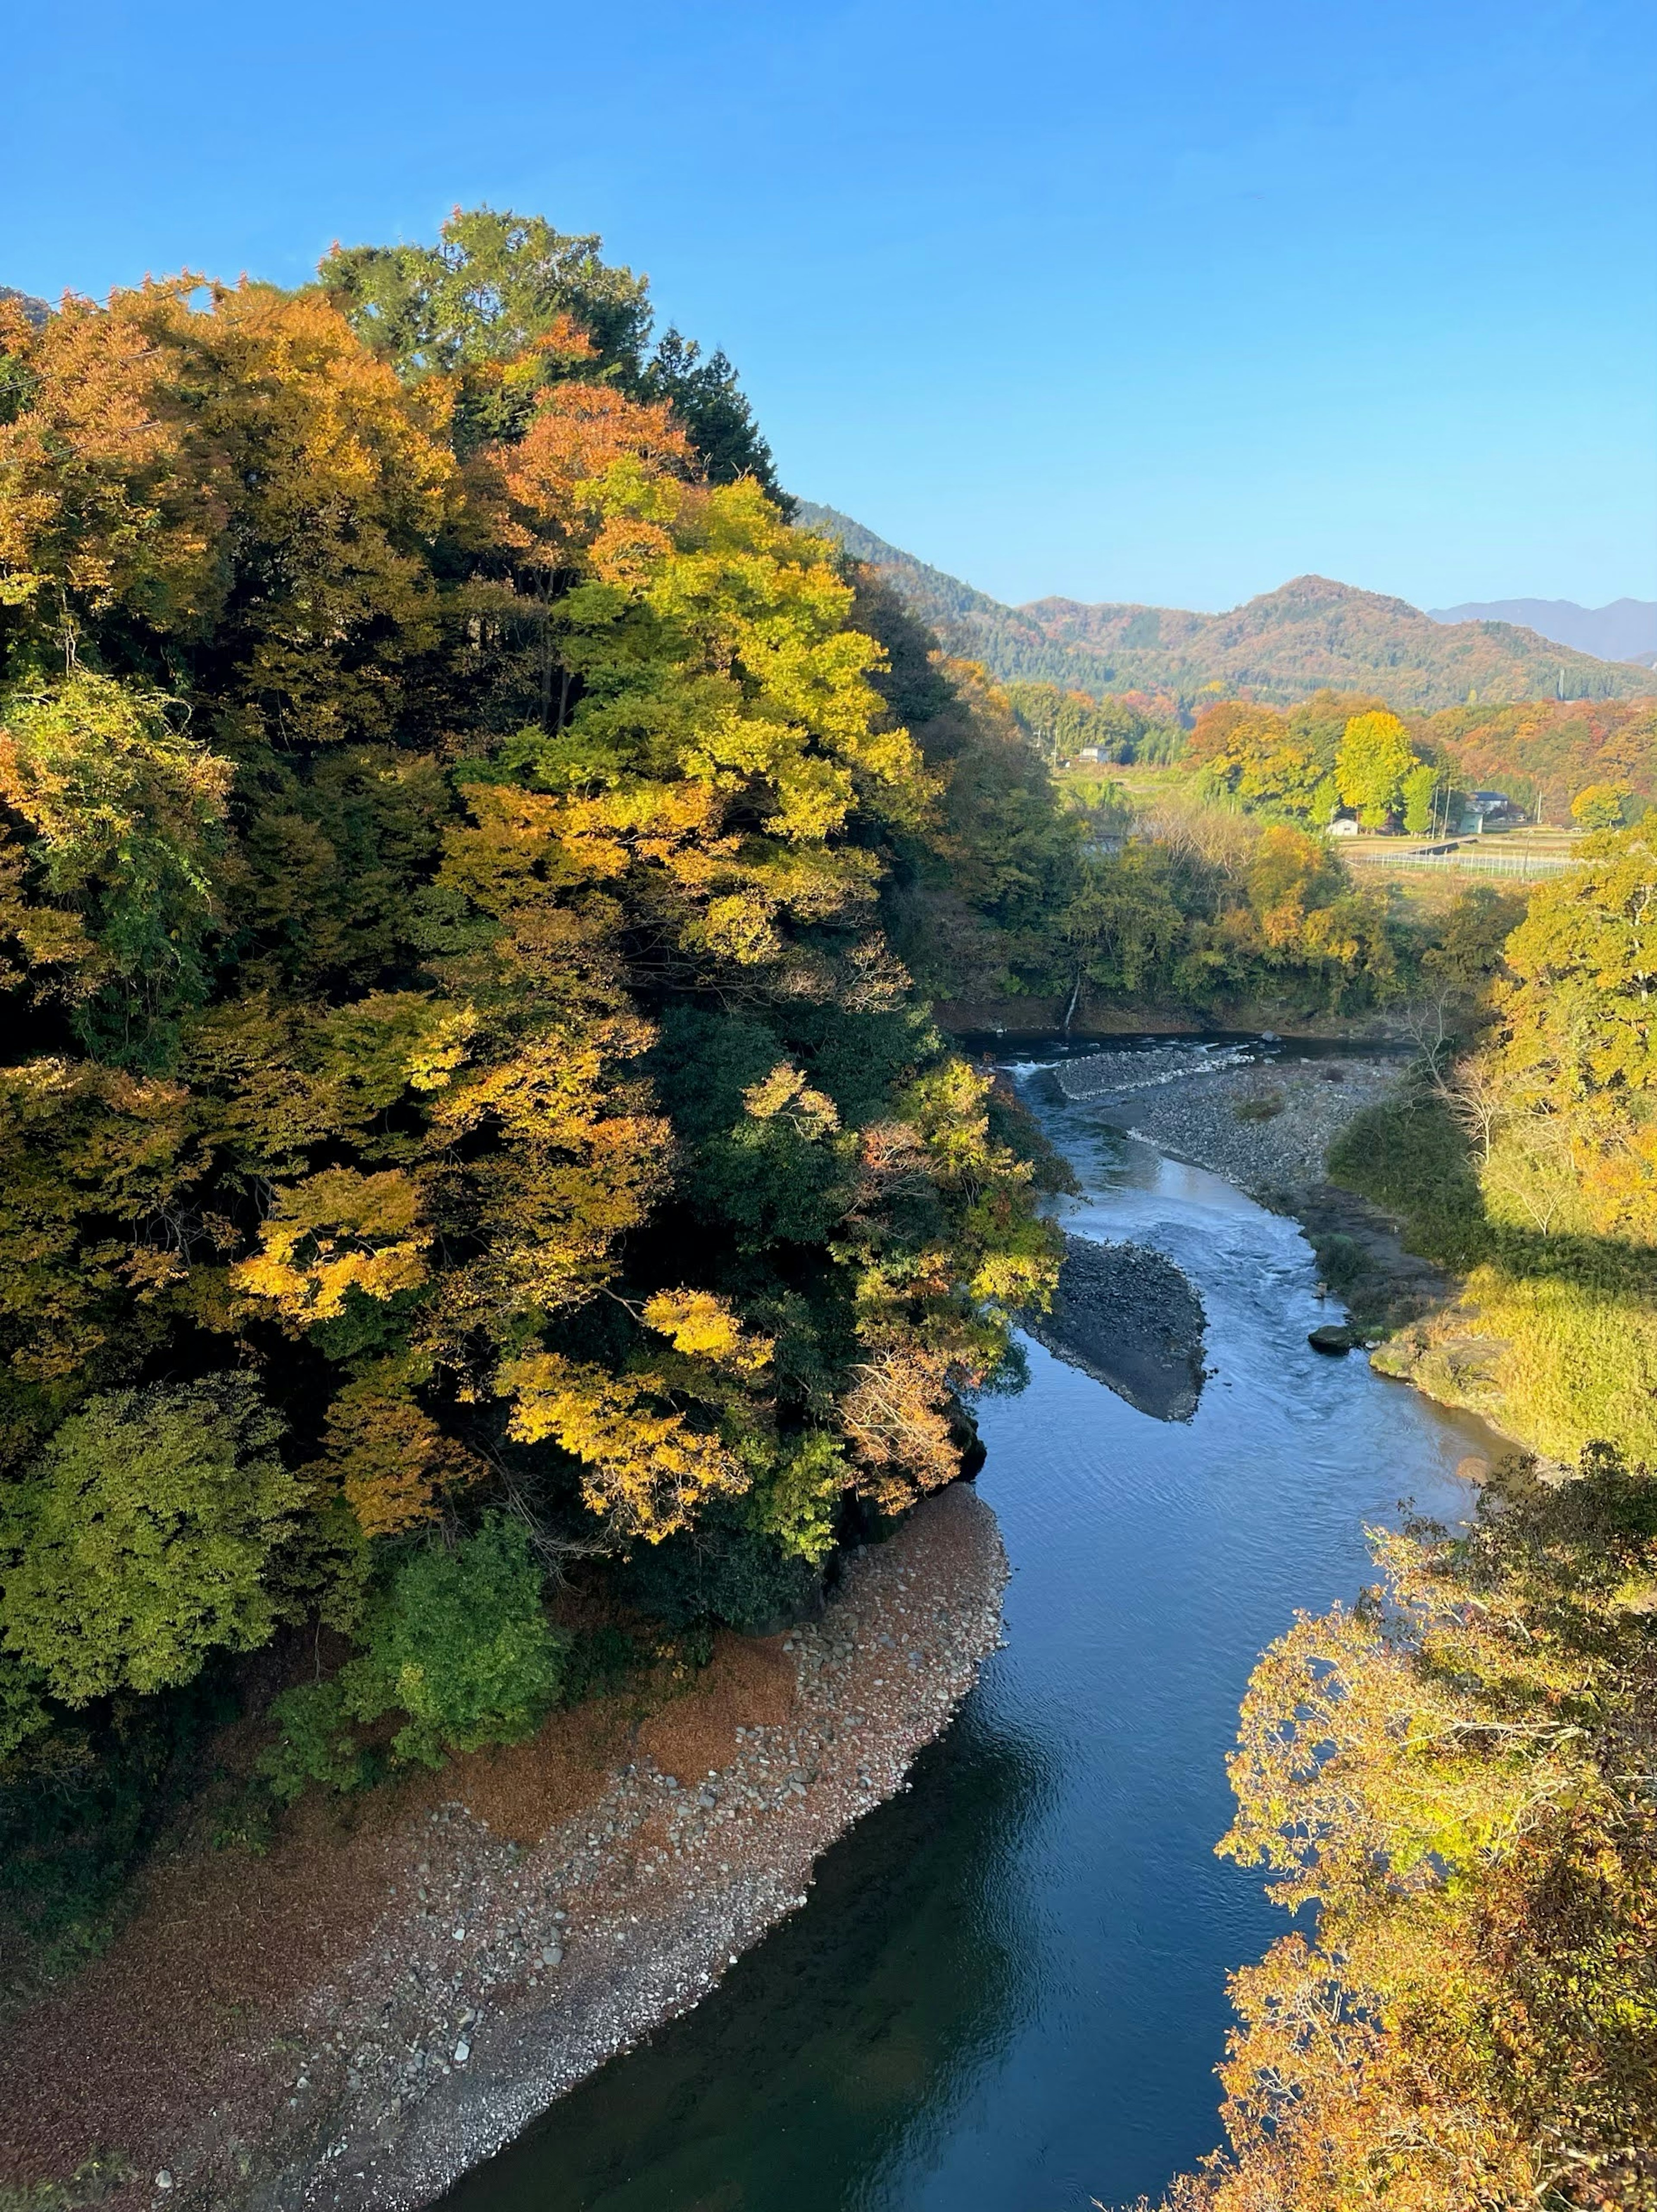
(1522, 865)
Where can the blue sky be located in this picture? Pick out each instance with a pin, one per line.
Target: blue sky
(1164, 301)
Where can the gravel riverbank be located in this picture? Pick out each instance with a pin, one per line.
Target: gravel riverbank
(475, 1959)
(1265, 1124)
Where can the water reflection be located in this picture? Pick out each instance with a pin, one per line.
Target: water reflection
(1008, 1992)
(875, 2012)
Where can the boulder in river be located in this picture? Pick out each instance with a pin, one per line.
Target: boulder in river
(1331, 1338)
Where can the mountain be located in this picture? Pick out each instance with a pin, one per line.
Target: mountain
(1625, 630)
(970, 623)
(1279, 646)
(35, 310)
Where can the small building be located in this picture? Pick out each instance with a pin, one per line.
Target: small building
(1342, 826)
(1089, 753)
(1493, 806)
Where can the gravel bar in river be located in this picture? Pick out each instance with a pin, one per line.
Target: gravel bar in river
(1264, 1125)
(1125, 1315)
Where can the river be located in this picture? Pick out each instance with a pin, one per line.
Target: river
(1007, 1991)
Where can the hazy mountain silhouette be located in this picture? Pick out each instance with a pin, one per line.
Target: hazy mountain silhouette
(36, 310)
(1624, 630)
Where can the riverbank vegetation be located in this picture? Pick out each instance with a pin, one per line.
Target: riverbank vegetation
(1455, 1775)
(1526, 1163)
(464, 1122)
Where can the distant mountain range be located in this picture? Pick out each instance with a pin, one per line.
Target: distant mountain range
(1279, 646)
(1625, 630)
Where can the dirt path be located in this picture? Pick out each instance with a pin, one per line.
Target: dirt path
(354, 2019)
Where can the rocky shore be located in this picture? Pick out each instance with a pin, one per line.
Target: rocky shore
(1265, 1121)
(1126, 1316)
(405, 2003)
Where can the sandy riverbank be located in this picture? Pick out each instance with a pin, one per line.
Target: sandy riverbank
(355, 2019)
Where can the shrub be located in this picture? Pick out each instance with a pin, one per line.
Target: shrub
(138, 1542)
(81, 1805)
(458, 1642)
(456, 1639)
(1408, 1157)
(725, 1570)
(1342, 1262)
(315, 1742)
(1259, 1106)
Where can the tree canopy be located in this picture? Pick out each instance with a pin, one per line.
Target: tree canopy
(455, 1062)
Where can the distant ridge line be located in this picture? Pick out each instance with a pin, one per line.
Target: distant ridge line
(1624, 630)
(1310, 633)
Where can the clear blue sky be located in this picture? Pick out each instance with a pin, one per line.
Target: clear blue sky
(1167, 301)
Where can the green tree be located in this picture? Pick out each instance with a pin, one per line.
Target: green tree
(122, 813)
(492, 286)
(1419, 792)
(1601, 806)
(458, 1640)
(504, 305)
(704, 395)
(142, 1539)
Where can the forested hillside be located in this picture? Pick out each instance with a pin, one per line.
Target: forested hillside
(1308, 635)
(1548, 750)
(462, 1116)
(1624, 630)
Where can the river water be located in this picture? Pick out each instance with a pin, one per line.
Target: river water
(1007, 1992)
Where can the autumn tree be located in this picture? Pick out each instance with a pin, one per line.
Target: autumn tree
(116, 814)
(443, 814)
(1576, 1055)
(1601, 806)
(1448, 1775)
(1375, 759)
(1255, 755)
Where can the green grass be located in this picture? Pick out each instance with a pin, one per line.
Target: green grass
(1576, 1316)
(1407, 1156)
